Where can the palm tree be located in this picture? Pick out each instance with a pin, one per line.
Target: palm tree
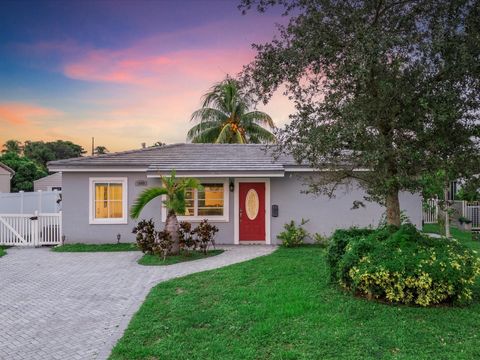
(100, 150)
(12, 146)
(174, 190)
(225, 117)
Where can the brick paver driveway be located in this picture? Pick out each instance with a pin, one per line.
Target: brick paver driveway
(77, 305)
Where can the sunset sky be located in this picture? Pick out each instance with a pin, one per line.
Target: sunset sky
(125, 72)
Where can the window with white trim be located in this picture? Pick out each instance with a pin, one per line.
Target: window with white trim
(210, 202)
(108, 201)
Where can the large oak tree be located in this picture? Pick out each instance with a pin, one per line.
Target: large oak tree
(388, 86)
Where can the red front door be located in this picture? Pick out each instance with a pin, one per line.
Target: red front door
(252, 211)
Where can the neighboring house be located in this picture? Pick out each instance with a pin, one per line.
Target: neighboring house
(246, 193)
(49, 183)
(6, 175)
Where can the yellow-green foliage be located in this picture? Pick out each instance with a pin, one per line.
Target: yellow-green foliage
(405, 266)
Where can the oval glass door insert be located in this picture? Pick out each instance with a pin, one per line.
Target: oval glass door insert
(252, 204)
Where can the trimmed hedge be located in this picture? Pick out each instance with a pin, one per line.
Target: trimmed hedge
(403, 266)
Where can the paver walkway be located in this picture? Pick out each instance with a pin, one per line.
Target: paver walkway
(77, 305)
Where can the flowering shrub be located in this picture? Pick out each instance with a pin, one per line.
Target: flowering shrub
(403, 266)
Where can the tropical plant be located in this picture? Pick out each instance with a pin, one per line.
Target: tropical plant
(205, 235)
(225, 117)
(293, 235)
(100, 150)
(174, 191)
(145, 235)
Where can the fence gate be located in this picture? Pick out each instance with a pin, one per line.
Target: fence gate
(472, 212)
(30, 229)
(430, 212)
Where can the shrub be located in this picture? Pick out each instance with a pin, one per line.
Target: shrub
(463, 220)
(293, 235)
(163, 245)
(205, 235)
(403, 266)
(187, 241)
(320, 240)
(145, 235)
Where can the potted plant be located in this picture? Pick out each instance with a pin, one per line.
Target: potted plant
(465, 223)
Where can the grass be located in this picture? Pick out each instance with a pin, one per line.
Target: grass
(79, 247)
(282, 306)
(463, 236)
(3, 250)
(153, 260)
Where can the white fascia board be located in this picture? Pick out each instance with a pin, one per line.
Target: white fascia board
(308, 169)
(221, 175)
(95, 169)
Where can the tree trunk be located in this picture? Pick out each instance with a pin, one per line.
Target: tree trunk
(447, 213)
(172, 226)
(393, 208)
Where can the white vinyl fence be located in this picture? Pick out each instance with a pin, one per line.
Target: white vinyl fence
(31, 229)
(29, 202)
(430, 212)
(470, 210)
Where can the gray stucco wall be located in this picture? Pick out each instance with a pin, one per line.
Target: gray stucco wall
(325, 214)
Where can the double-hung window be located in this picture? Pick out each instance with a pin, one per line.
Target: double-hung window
(210, 202)
(108, 201)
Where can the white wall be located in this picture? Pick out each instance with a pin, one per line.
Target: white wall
(29, 202)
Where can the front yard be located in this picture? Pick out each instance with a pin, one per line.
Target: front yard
(282, 306)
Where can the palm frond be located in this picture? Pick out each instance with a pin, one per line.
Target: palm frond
(202, 127)
(207, 136)
(225, 134)
(207, 114)
(144, 198)
(259, 117)
(258, 134)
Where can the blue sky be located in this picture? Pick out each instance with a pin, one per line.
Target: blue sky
(125, 72)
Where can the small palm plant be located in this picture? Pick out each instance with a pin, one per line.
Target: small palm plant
(174, 190)
(225, 117)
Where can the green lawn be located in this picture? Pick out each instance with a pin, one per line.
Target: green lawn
(282, 306)
(463, 236)
(153, 260)
(3, 250)
(96, 247)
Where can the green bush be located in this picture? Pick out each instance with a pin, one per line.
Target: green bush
(293, 235)
(403, 266)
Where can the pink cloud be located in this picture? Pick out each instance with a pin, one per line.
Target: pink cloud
(23, 114)
(163, 70)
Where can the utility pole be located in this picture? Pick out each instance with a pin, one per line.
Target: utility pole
(93, 146)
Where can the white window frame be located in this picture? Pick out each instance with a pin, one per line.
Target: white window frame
(91, 200)
(219, 218)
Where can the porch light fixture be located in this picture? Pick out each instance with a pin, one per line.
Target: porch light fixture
(118, 238)
(231, 186)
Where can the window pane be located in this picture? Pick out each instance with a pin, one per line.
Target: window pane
(210, 200)
(101, 209)
(115, 191)
(210, 211)
(108, 200)
(116, 209)
(101, 191)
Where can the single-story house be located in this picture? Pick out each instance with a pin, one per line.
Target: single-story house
(6, 175)
(246, 193)
(49, 183)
